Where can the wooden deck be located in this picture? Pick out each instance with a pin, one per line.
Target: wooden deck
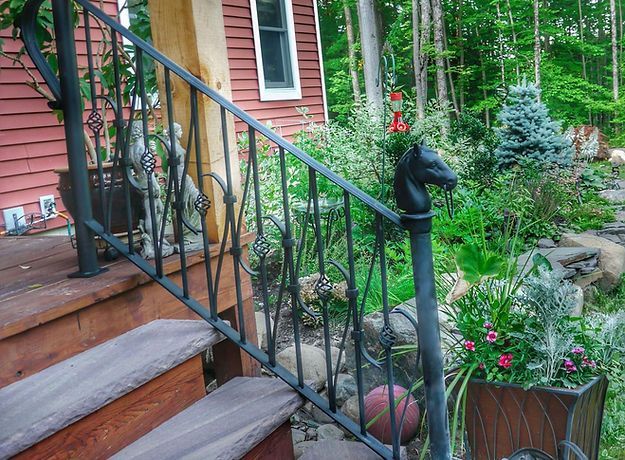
(35, 289)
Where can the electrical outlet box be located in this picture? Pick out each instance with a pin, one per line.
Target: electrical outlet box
(48, 205)
(13, 216)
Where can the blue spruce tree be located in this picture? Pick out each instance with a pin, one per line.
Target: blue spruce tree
(527, 131)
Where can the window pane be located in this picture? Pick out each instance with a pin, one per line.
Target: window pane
(276, 59)
(270, 13)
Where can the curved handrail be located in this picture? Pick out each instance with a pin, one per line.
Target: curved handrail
(30, 13)
(28, 25)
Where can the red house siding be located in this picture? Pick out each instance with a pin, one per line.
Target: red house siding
(242, 57)
(32, 141)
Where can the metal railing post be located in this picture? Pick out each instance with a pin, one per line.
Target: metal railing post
(420, 226)
(71, 105)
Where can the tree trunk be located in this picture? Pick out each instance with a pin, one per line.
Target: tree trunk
(460, 39)
(439, 47)
(502, 64)
(450, 79)
(418, 60)
(615, 63)
(581, 38)
(537, 47)
(370, 42)
(353, 68)
(514, 42)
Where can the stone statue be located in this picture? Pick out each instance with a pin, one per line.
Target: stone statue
(189, 194)
(144, 170)
(420, 166)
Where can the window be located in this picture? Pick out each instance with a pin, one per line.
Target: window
(276, 53)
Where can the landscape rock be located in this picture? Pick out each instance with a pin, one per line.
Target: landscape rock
(405, 367)
(330, 432)
(350, 409)
(579, 302)
(611, 258)
(613, 196)
(313, 364)
(298, 435)
(345, 388)
(546, 243)
(299, 448)
(591, 278)
(343, 450)
(261, 329)
(320, 416)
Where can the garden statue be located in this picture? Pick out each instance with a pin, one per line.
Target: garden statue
(188, 192)
(143, 163)
(419, 166)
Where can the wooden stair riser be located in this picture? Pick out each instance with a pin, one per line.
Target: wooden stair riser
(118, 424)
(49, 343)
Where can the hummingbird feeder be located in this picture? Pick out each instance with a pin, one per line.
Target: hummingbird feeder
(398, 125)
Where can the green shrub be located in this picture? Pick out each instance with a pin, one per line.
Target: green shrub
(527, 131)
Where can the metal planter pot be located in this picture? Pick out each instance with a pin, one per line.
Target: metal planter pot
(113, 189)
(503, 418)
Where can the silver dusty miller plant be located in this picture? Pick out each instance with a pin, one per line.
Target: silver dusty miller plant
(609, 332)
(548, 300)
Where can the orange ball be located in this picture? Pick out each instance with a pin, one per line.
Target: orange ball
(377, 402)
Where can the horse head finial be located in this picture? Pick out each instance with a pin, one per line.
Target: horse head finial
(420, 166)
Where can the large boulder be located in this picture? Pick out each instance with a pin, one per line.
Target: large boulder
(313, 364)
(611, 258)
(405, 368)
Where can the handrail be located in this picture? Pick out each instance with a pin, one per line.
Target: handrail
(198, 84)
(28, 22)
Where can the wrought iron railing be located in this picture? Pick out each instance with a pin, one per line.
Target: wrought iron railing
(126, 169)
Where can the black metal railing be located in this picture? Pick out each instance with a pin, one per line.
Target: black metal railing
(294, 231)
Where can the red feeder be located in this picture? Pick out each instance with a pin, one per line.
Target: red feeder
(398, 125)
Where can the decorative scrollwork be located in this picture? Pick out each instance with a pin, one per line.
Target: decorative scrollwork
(323, 287)
(95, 121)
(261, 246)
(387, 337)
(148, 162)
(202, 204)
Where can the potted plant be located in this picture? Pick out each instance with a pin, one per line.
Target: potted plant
(530, 375)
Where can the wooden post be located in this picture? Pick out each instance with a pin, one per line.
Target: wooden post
(192, 34)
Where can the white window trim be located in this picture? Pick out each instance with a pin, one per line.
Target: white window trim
(277, 94)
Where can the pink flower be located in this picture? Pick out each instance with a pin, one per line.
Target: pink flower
(488, 325)
(586, 362)
(491, 337)
(482, 366)
(578, 350)
(505, 360)
(469, 345)
(569, 366)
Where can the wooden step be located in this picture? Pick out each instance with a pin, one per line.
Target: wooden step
(226, 424)
(46, 317)
(42, 404)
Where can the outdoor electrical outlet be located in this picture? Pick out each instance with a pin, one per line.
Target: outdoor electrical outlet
(13, 215)
(48, 205)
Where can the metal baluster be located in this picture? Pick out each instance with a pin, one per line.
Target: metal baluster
(357, 334)
(202, 203)
(178, 193)
(121, 154)
(323, 287)
(288, 242)
(149, 162)
(387, 336)
(235, 248)
(261, 245)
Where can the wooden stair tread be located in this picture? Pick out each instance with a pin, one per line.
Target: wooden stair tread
(224, 425)
(42, 404)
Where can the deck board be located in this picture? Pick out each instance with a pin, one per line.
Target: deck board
(43, 292)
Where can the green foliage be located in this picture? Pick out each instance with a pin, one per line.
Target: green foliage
(528, 132)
